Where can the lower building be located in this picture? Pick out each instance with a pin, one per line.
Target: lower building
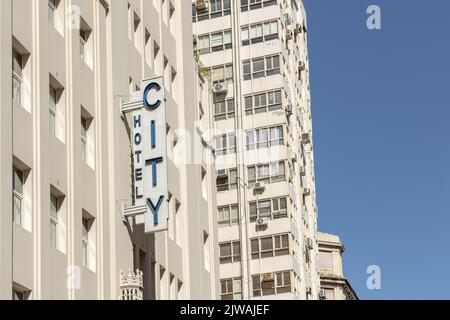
(334, 285)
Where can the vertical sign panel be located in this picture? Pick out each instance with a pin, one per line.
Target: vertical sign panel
(150, 152)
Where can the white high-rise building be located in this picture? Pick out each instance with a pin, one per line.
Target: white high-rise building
(255, 54)
(66, 161)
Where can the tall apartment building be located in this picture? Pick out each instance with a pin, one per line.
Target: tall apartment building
(66, 160)
(334, 285)
(255, 54)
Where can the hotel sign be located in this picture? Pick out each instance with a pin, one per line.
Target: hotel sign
(150, 155)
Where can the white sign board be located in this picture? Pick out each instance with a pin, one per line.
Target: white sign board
(150, 155)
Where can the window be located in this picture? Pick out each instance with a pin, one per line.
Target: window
(84, 141)
(271, 283)
(54, 221)
(259, 32)
(281, 245)
(270, 30)
(52, 110)
(245, 36)
(221, 74)
(203, 44)
(325, 259)
(220, 41)
(228, 215)
(85, 241)
(265, 137)
(230, 252)
(256, 4)
(231, 289)
(20, 293)
(226, 144)
(52, 6)
(87, 138)
(272, 65)
(272, 209)
(226, 180)
(256, 33)
(271, 246)
(86, 45)
(217, 8)
(329, 293)
(224, 110)
(283, 282)
(261, 67)
(88, 241)
(18, 182)
(17, 77)
(83, 40)
(263, 102)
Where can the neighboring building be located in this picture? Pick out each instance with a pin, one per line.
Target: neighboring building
(65, 146)
(255, 53)
(334, 285)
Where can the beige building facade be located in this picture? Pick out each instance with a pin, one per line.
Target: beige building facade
(67, 68)
(334, 285)
(255, 54)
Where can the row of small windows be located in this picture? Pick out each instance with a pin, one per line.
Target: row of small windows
(252, 69)
(254, 104)
(220, 41)
(266, 284)
(259, 32)
(261, 138)
(261, 67)
(213, 42)
(261, 248)
(272, 209)
(220, 8)
(262, 173)
(263, 102)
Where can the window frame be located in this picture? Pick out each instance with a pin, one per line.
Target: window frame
(258, 253)
(235, 252)
(52, 110)
(54, 220)
(230, 221)
(230, 289)
(255, 209)
(18, 196)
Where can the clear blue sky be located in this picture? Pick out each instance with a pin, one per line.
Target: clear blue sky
(381, 111)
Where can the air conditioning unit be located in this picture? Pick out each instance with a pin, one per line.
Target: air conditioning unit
(298, 29)
(201, 4)
(306, 138)
(301, 66)
(194, 40)
(322, 294)
(306, 191)
(222, 173)
(259, 187)
(289, 35)
(267, 277)
(289, 110)
(262, 222)
(302, 171)
(287, 19)
(310, 243)
(220, 88)
(309, 290)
